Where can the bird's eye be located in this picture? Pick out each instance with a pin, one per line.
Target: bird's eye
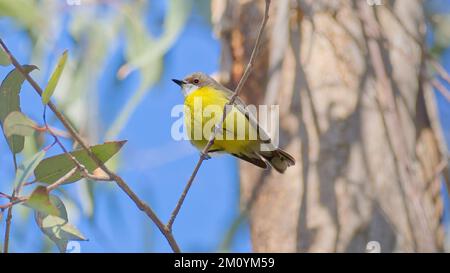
(196, 81)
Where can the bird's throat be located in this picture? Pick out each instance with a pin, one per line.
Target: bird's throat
(188, 89)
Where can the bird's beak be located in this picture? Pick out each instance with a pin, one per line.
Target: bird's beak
(180, 83)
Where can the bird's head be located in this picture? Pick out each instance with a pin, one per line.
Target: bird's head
(194, 81)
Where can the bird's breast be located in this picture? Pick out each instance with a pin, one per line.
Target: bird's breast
(205, 97)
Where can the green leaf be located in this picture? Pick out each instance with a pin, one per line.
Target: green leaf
(53, 168)
(48, 92)
(25, 169)
(10, 101)
(16, 123)
(58, 203)
(4, 59)
(40, 201)
(57, 228)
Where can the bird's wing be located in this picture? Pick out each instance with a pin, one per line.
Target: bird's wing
(242, 107)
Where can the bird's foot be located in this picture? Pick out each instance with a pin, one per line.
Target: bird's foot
(205, 156)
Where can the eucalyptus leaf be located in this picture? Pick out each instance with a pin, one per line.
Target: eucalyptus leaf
(40, 201)
(16, 123)
(10, 101)
(53, 168)
(57, 228)
(62, 228)
(50, 88)
(25, 169)
(4, 59)
(58, 203)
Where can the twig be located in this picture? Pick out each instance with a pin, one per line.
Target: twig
(56, 131)
(15, 201)
(78, 164)
(76, 137)
(15, 162)
(444, 75)
(63, 179)
(7, 230)
(441, 88)
(204, 153)
(96, 177)
(51, 187)
(9, 214)
(29, 183)
(2, 194)
(437, 66)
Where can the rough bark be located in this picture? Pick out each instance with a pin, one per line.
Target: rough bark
(358, 115)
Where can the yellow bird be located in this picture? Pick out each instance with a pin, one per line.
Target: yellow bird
(241, 135)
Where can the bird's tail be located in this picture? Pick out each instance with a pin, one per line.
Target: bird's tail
(278, 159)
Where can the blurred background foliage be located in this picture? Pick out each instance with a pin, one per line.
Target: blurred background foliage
(116, 85)
(119, 51)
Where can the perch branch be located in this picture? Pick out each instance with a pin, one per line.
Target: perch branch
(204, 153)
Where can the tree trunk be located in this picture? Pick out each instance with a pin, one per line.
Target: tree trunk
(356, 112)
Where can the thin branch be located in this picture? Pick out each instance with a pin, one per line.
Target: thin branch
(441, 70)
(9, 214)
(437, 66)
(15, 201)
(2, 194)
(253, 56)
(15, 162)
(51, 187)
(444, 75)
(7, 230)
(29, 183)
(441, 88)
(204, 153)
(63, 179)
(76, 137)
(56, 131)
(96, 177)
(77, 163)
